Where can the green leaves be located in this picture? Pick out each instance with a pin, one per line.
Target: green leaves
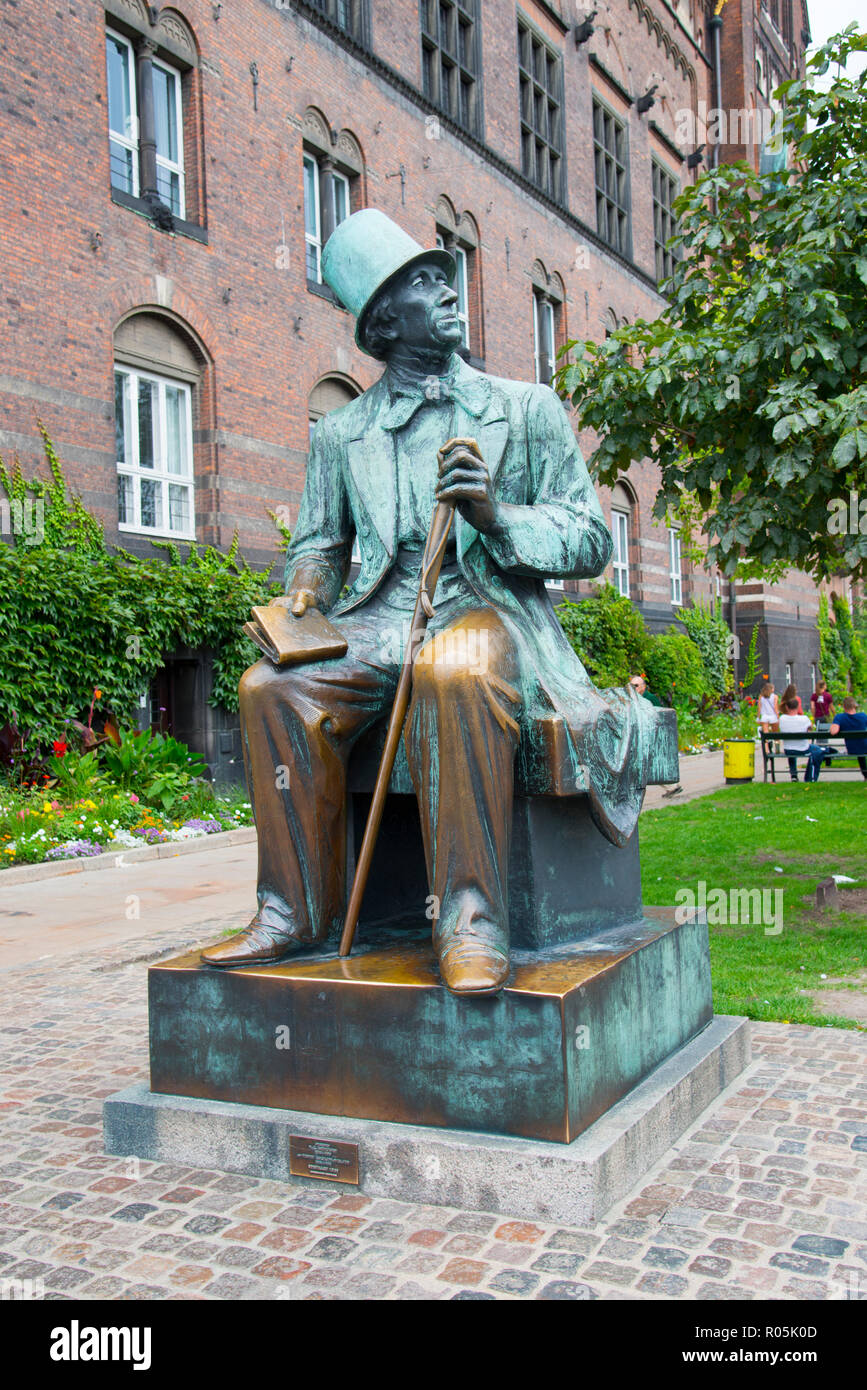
(751, 395)
(75, 617)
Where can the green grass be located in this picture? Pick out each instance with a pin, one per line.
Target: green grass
(735, 839)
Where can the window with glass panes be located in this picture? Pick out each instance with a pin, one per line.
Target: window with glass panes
(450, 58)
(316, 188)
(620, 563)
(664, 194)
(674, 566)
(348, 15)
(154, 447)
(540, 92)
(544, 337)
(612, 179)
(122, 113)
(123, 124)
(168, 131)
(461, 287)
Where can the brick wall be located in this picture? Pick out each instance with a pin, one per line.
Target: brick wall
(77, 262)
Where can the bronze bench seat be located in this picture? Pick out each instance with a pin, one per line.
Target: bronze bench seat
(566, 880)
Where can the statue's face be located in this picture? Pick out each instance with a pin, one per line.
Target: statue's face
(423, 303)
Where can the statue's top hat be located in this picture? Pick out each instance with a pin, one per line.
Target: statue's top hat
(364, 253)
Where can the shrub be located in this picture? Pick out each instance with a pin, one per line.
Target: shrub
(710, 633)
(674, 668)
(608, 634)
(75, 617)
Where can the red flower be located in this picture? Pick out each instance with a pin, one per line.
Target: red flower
(59, 747)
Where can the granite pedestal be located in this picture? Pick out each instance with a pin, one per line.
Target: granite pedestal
(572, 1184)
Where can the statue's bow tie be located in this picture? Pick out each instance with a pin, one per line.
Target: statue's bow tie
(434, 391)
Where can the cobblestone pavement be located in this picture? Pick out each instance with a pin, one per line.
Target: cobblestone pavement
(765, 1197)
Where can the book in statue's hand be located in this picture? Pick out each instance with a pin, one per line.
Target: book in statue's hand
(288, 640)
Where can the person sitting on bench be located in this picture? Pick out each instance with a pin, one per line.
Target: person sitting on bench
(850, 721)
(791, 722)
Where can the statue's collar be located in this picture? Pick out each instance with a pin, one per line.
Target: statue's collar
(406, 393)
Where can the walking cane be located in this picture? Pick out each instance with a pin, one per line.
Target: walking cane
(432, 560)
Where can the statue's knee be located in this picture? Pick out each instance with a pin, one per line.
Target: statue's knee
(258, 684)
(452, 660)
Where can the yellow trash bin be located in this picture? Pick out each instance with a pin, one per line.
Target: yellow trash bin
(739, 760)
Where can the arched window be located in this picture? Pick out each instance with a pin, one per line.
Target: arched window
(549, 326)
(460, 236)
(621, 531)
(333, 178)
(329, 393)
(158, 374)
(152, 75)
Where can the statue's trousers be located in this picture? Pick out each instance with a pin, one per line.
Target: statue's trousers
(300, 724)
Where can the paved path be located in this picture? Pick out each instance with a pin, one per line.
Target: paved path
(700, 773)
(765, 1197)
(57, 918)
(207, 891)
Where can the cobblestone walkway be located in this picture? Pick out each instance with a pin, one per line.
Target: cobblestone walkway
(765, 1197)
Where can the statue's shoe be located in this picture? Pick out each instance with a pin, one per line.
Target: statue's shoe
(473, 952)
(262, 943)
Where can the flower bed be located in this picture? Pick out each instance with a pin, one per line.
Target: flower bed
(34, 829)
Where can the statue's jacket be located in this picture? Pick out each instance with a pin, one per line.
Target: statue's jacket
(608, 744)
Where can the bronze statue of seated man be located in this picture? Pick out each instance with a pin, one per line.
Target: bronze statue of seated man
(503, 452)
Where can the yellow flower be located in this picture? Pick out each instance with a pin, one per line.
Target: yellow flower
(9, 850)
(46, 806)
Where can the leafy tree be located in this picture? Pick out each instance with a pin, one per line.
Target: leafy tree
(750, 389)
(710, 633)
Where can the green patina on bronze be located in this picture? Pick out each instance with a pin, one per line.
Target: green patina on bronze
(503, 453)
(377, 1037)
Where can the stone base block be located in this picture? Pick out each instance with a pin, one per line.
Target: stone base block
(377, 1036)
(573, 1184)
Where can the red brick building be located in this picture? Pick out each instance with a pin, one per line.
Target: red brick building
(170, 174)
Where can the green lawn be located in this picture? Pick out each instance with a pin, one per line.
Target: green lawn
(735, 839)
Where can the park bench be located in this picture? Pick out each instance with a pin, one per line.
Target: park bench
(835, 743)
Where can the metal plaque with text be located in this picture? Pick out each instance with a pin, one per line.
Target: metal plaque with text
(323, 1158)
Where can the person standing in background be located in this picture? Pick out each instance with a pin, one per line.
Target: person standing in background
(790, 693)
(769, 709)
(823, 703)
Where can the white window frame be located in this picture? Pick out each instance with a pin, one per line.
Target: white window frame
(675, 571)
(128, 141)
(160, 473)
(620, 560)
(540, 304)
(788, 673)
(313, 239)
(814, 676)
(461, 287)
(163, 162)
(338, 178)
(461, 284)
